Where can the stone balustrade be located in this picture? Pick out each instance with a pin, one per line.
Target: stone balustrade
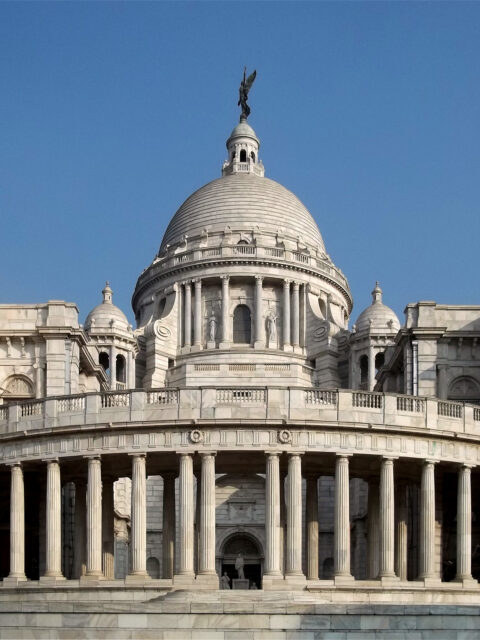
(246, 252)
(314, 407)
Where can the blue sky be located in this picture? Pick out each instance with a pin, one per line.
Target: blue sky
(113, 113)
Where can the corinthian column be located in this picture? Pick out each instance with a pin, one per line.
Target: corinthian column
(312, 527)
(206, 561)
(225, 312)
(80, 566)
(372, 530)
(427, 522)
(272, 515)
(464, 525)
(168, 535)
(401, 518)
(139, 516)
(342, 519)
(296, 315)
(387, 520)
(53, 567)
(294, 516)
(286, 314)
(188, 315)
(197, 326)
(94, 519)
(108, 562)
(185, 490)
(259, 328)
(17, 525)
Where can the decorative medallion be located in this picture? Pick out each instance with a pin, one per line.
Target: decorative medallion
(196, 436)
(285, 436)
(161, 331)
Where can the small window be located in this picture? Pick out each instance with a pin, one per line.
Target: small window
(363, 369)
(252, 155)
(243, 155)
(121, 369)
(104, 360)
(242, 325)
(379, 361)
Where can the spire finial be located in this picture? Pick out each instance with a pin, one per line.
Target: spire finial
(107, 293)
(377, 293)
(245, 87)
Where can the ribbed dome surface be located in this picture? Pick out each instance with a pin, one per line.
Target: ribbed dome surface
(243, 201)
(377, 316)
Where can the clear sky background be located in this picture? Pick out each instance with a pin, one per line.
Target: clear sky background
(111, 114)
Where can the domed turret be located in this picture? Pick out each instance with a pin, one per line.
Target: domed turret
(378, 316)
(106, 315)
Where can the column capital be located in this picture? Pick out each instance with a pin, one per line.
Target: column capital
(92, 458)
(138, 454)
(339, 455)
(197, 282)
(430, 462)
(184, 454)
(49, 460)
(225, 278)
(11, 465)
(273, 453)
(467, 466)
(203, 454)
(295, 454)
(389, 459)
(259, 279)
(286, 283)
(296, 285)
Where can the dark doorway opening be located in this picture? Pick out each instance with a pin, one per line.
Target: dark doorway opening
(253, 573)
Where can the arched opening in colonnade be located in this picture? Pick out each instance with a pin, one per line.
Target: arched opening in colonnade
(247, 547)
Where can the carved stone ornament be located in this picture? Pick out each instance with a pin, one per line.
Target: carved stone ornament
(196, 436)
(320, 332)
(161, 331)
(285, 436)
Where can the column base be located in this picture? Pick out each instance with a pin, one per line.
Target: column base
(208, 581)
(258, 345)
(186, 349)
(52, 579)
(195, 348)
(211, 344)
(295, 581)
(466, 581)
(224, 345)
(388, 580)
(430, 581)
(137, 578)
(92, 579)
(13, 581)
(344, 579)
(287, 347)
(184, 581)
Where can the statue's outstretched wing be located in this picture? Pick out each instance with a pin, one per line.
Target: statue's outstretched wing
(250, 80)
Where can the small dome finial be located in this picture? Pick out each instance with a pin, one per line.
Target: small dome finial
(107, 293)
(377, 293)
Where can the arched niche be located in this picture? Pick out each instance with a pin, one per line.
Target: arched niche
(242, 325)
(464, 389)
(17, 388)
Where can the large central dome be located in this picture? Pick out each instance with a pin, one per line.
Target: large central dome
(243, 201)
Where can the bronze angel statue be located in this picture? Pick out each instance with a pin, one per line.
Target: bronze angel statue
(245, 87)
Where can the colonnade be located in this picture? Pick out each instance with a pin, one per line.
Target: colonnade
(387, 521)
(290, 314)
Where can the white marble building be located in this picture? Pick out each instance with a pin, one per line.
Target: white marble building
(242, 415)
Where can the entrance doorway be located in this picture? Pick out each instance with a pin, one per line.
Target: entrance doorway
(252, 557)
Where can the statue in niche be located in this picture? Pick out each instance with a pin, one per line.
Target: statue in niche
(225, 581)
(272, 328)
(239, 564)
(212, 327)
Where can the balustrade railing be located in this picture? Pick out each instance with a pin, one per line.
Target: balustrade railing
(207, 367)
(413, 405)
(450, 409)
(277, 367)
(367, 400)
(274, 252)
(240, 396)
(301, 257)
(76, 403)
(242, 367)
(32, 409)
(167, 396)
(244, 250)
(317, 396)
(476, 415)
(110, 400)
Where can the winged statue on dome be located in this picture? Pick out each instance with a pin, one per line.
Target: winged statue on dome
(245, 87)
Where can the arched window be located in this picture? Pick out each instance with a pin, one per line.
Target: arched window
(104, 360)
(17, 388)
(242, 325)
(243, 155)
(252, 155)
(379, 360)
(121, 369)
(464, 389)
(153, 567)
(363, 370)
